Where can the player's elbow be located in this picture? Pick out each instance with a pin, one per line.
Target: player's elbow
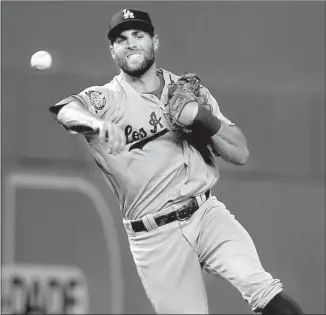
(242, 157)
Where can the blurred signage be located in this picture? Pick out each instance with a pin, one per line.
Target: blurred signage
(41, 289)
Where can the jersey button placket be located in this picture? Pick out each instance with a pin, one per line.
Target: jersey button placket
(185, 185)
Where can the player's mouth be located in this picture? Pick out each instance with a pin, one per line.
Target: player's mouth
(134, 56)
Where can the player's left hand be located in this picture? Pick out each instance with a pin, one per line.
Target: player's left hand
(183, 101)
(188, 114)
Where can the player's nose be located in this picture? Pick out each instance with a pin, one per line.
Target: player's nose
(131, 42)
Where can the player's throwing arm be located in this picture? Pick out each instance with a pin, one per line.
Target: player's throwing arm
(75, 118)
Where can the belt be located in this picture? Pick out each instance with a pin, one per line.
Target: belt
(181, 214)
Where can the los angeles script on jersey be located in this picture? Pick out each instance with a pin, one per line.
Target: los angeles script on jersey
(145, 135)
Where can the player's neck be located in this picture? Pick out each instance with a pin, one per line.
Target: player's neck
(148, 82)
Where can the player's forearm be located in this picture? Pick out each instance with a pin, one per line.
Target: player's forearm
(75, 118)
(227, 141)
(230, 143)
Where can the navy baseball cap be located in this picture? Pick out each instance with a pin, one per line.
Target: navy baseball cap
(129, 19)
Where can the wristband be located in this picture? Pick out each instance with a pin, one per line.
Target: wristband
(206, 123)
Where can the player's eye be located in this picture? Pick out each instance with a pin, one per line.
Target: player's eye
(140, 35)
(119, 40)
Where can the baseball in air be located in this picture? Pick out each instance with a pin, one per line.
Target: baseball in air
(41, 60)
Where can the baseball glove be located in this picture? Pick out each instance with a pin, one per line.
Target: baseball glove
(185, 90)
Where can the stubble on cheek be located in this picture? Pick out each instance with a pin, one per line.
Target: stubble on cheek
(138, 68)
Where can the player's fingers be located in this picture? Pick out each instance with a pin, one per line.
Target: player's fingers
(106, 135)
(118, 140)
(113, 142)
(113, 136)
(122, 140)
(101, 134)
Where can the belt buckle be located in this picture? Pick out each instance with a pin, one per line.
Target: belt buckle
(184, 211)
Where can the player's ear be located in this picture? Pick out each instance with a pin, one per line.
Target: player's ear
(112, 52)
(156, 41)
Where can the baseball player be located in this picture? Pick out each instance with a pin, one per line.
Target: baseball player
(157, 138)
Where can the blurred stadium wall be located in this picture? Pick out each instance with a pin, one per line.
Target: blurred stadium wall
(265, 64)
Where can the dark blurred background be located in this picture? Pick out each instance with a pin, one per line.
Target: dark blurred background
(265, 64)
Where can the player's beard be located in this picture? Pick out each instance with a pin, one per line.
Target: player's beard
(149, 59)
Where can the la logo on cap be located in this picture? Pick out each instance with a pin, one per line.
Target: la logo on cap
(127, 14)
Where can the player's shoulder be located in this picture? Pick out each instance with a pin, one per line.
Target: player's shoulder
(114, 84)
(111, 88)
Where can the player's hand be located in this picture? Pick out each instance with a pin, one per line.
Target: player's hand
(111, 134)
(188, 114)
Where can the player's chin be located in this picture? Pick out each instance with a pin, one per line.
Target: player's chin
(135, 69)
(135, 64)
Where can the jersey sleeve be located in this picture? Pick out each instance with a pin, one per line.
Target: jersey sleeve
(98, 100)
(214, 107)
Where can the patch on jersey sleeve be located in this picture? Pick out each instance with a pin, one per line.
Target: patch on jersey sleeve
(96, 99)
